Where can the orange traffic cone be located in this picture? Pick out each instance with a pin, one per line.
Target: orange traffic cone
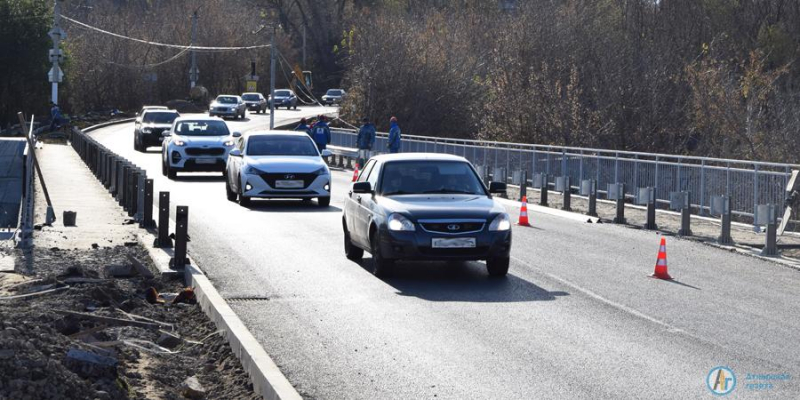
(355, 173)
(523, 213)
(661, 262)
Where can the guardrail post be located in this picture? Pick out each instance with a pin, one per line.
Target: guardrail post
(122, 174)
(163, 239)
(651, 210)
(147, 207)
(756, 228)
(589, 188)
(341, 161)
(541, 180)
(686, 215)
(566, 194)
(130, 195)
(771, 246)
(523, 184)
(620, 197)
(725, 235)
(140, 195)
(181, 232)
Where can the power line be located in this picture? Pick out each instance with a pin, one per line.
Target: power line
(168, 45)
(135, 66)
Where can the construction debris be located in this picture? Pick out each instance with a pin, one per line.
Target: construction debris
(192, 389)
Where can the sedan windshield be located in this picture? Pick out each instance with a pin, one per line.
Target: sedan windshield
(281, 145)
(201, 128)
(226, 100)
(160, 117)
(250, 97)
(429, 177)
(334, 92)
(282, 93)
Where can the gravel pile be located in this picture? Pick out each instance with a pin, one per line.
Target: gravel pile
(84, 335)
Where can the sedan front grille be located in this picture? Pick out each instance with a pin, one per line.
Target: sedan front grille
(197, 151)
(272, 177)
(452, 228)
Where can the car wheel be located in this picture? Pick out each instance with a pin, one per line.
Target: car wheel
(352, 252)
(324, 201)
(136, 143)
(244, 201)
(497, 266)
(381, 267)
(230, 193)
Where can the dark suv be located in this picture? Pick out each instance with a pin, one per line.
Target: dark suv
(149, 126)
(425, 207)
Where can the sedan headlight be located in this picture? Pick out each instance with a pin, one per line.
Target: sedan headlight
(228, 143)
(501, 223)
(179, 142)
(253, 171)
(398, 222)
(321, 171)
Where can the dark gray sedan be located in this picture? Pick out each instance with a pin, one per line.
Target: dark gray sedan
(425, 207)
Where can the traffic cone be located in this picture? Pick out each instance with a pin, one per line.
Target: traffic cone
(523, 213)
(661, 262)
(355, 173)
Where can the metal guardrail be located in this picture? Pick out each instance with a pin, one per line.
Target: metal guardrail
(747, 183)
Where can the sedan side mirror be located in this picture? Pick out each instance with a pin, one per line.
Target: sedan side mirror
(237, 134)
(166, 133)
(362, 187)
(497, 187)
(235, 153)
(326, 153)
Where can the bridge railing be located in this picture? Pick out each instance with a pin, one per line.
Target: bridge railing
(746, 183)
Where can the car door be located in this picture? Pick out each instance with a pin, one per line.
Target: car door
(351, 207)
(365, 204)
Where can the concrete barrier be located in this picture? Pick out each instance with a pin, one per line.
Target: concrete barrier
(12, 168)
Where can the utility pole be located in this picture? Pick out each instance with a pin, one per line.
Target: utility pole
(304, 45)
(194, 73)
(56, 55)
(272, 78)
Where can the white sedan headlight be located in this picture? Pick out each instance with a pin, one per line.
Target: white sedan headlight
(228, 143)
(398, 222)
(501, 223)
(253, 171)
(179, 143)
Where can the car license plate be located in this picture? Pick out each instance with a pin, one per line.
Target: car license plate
(453, 243)
(206, 160)
(289, 184)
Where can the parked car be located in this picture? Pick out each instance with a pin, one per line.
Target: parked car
(147, 131)
(425, 207)
(196, 144)
(227, 106)
(333, 96)
(285, 98)
(145, 108)
(277, 164)
(255, 102)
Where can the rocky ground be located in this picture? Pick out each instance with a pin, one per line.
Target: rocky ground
(84, 334)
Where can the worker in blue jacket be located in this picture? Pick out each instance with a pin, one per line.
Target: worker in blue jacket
(394, 136)
(303, 127)
(365, 140)
(321, 133)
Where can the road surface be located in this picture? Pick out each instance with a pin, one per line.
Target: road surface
(577, 317)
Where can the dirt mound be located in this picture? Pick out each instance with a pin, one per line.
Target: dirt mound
(184, 106)
(84, 335)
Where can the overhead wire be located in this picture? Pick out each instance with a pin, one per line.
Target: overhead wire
(306, 90)
(206, 49)
(132, 66)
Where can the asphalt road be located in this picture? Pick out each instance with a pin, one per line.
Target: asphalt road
(577, 317)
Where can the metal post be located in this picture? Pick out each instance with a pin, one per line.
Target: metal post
(686, 216)
(725, 235)
(566, 195)
(163, 239)
(56, 56)
(592, 199)
(702, 210)
(771, 245)
(147, 207)
(543, 191)
(194, 73)
(651, 210)
(304, 46)
(272, 79)
(620, 218)
(141, 181)
(181, 235)
(523, 185)
(756, 228)
(122, 183)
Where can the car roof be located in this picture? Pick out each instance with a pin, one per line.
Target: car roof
(418, 157)
(228, 95)
(198, 118)
(278, 132)
(154, 107)
(159, 110)
(250, 93)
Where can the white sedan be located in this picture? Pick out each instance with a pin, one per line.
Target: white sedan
(277, 164)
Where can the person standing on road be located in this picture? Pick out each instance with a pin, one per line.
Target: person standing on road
(394, 136)
(303, 127)
(321, 133)
(365, 140)
(55, 116)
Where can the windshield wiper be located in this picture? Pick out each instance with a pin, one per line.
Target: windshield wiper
(447, 191)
